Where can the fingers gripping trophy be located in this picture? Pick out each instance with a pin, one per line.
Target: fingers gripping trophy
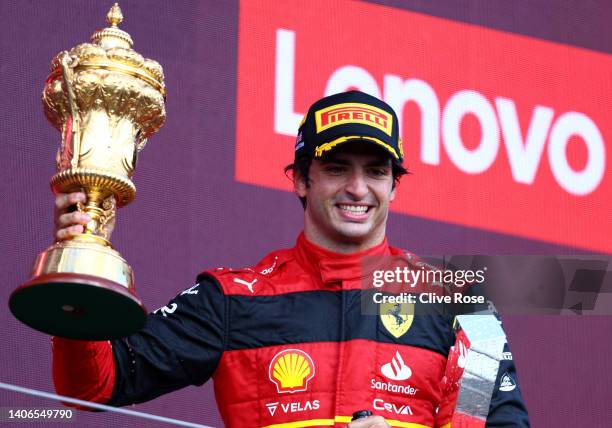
(106, 100)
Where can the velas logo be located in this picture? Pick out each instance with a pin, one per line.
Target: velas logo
(294, 407)
(291, 370)
(508, 135)
(344, 113)
(272, 408)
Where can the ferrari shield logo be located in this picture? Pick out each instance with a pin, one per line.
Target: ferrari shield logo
(397, 317)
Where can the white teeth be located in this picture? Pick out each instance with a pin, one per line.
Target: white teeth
(357, 209)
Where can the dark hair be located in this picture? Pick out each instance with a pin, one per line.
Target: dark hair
(302, 166)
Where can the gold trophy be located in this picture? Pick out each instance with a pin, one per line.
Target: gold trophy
(106, 100)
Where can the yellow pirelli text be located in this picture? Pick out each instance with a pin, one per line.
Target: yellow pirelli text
(341, 114)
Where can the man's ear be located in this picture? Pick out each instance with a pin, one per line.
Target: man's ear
(392, 194)
(299, 184)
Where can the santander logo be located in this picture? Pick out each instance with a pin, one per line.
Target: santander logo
(396, 369)
(546, 136)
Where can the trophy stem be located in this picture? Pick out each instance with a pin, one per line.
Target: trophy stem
(101, 208)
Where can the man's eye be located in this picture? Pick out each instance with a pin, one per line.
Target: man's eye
(335, 169)
(379, 172)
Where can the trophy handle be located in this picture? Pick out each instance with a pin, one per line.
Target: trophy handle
(75, 125)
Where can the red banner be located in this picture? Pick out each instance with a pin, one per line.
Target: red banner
(502, 132)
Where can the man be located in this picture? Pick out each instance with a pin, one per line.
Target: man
(286, 341)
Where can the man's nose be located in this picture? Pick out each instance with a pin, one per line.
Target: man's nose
(357, 185)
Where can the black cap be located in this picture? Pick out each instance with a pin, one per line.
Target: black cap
(348, 116)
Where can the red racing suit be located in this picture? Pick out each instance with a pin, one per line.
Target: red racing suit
(287, 345)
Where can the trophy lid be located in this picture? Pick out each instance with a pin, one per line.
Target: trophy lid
(111, 49)
(105, 74)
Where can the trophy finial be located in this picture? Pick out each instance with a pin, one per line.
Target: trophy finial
(113, 36)
(114, 15)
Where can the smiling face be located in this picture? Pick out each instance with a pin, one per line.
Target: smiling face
(347, 198)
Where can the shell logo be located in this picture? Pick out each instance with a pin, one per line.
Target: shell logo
(290, 370)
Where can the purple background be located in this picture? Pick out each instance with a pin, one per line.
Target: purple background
(190, 214)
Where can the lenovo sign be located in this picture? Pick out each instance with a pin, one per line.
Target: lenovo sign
(524, 156)
(502, 132)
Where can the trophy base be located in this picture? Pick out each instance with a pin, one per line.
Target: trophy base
(78, 306)
(80, 289)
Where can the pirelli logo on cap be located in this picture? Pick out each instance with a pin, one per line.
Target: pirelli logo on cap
(341, 114)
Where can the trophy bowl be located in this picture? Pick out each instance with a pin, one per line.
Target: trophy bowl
(106, 100)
